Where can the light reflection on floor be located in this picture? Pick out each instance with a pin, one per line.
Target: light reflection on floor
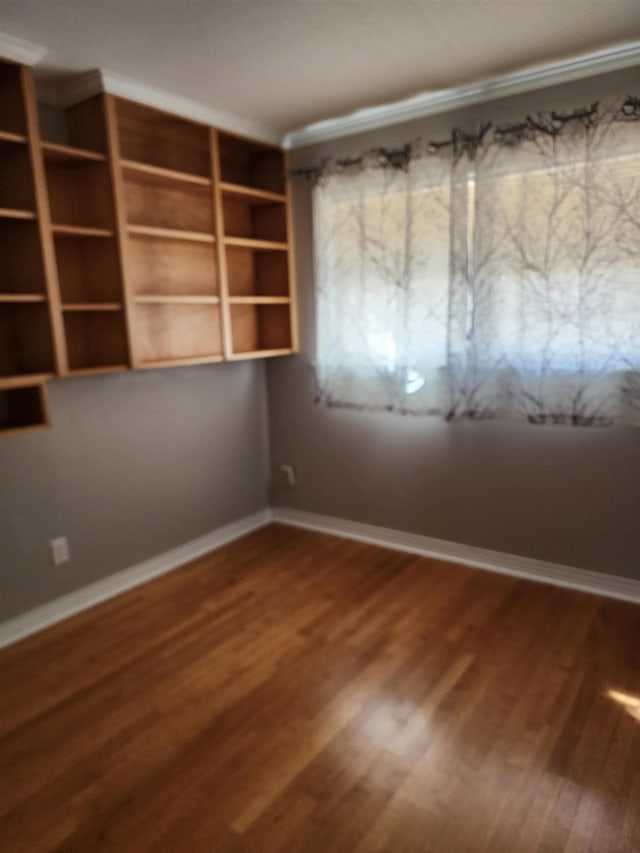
(630, 703)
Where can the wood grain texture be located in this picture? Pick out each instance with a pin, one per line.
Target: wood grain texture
(298, 692)
(154, 137)
(51, 341)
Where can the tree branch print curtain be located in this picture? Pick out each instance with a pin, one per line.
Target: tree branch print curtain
(382, 279)
(494, 278)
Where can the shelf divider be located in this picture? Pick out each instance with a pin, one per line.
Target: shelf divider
(23, 297)
(13, 213)
(170, 233)
(251, 193)
(260, 353)
(80, 231)
(8, 136)
(43, 218)
(161, 172)
(251, 243)
(97, 371)
(55, 153)
(24, 380)
(182, 361)
(260, 300)
(175, 299)
(92, 306)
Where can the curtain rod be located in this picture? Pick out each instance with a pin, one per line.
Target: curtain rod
(461, 142)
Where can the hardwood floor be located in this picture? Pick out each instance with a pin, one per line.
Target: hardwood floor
(298, 692)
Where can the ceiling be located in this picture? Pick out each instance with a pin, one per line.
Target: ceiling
(282, 64)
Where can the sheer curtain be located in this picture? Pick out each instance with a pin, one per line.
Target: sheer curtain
(554, 270)
(500, 278)
(382, 284)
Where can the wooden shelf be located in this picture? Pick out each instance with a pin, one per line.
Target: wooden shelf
(250, 243)
(80, 231)
(246, 219)
(27, 353)
(260, 353)
(12, 213)
(169, 267)
(88, 269)
(196, 220)
(251, 193)
(168, 174)
(257, 328)
(25, 339)
(172, 270)
(95, 340)
(254, 209)
(180, 362)
(172, 332)
(97, 371)
(8, 382)
(79, 192)
(246, 163)
(90, 303)
(257, 273)
(22, 297)
(9, 431)
(15, 138)
(23, 407)
(155, 202)
(151, 136)
(170, 233)
(21, 259)
(259, 300)
(92, 306)
(69, 155)
(17, 197)
(186, 299)
(75, 133)
(13, 118)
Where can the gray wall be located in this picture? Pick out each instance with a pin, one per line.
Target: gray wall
(134, 464)
(137, 463)
(563, 494)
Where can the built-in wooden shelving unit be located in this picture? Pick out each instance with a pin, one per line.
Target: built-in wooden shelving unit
(165, 187)
(256, 236)
(83, 227)
(27, 342)
(131, 237)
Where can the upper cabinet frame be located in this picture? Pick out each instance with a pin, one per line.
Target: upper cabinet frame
(133, 238)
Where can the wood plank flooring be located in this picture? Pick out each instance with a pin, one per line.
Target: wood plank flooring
(299, 692)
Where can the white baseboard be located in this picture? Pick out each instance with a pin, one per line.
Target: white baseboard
(612, 586)
(35, 620)
(59, 609)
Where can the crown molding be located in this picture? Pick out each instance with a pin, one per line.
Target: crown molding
(21, 51)
(430, 103)
(82, 86)
(154, 97)
(70, 91)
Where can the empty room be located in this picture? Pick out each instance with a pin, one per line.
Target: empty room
(320, 426)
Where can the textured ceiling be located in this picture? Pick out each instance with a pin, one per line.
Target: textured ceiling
(285, 63)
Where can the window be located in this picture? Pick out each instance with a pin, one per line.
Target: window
(502, 283)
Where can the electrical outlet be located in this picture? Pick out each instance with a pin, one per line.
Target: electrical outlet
(288, 475)
(59, 551)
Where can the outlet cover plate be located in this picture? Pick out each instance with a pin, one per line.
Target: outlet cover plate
(59, 550)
